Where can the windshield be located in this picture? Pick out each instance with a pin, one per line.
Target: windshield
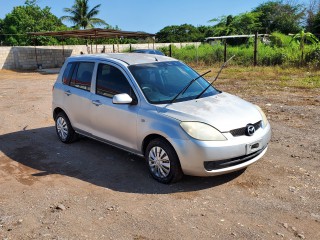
(162, 81)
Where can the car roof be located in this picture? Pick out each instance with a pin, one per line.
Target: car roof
(145, 50)
(152, 51)
(142, 50)
(127, 58)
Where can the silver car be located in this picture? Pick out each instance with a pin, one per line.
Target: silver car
(160, 108)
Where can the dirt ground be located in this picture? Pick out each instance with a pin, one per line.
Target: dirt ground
(89, 190)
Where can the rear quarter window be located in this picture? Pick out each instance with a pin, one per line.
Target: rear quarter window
(67, 73)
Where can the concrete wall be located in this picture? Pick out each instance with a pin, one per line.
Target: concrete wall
(31, 57)
(23, 58)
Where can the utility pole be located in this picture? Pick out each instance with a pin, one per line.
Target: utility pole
(255, 53)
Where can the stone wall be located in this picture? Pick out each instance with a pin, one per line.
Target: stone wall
(24, 58)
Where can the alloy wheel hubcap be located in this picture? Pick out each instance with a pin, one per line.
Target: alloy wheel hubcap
(159, 162)
(62, 128)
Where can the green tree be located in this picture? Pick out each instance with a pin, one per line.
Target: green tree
(1, 32)
(313, 17)
(224, 26)
(311, 12)
(180, 33)
(316, 27)
(302, 37)
(31, 2)
(279, 16)
(206, 31)
(244, 23)
(82, 16)
(29, 18)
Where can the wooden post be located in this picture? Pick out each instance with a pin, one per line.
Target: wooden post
(225, 51)
(91, 45)
(118, 44)
(255, 53)
(197, 52)
(170, 50)
(35, 51)
(95, 39)
(113, 48)
(62, 48)
(153, 41)
(130, 47)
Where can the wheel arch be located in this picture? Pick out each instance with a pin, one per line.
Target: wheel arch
(151, 137)
(56, 111)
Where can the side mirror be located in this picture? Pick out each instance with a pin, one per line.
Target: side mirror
(122, 98)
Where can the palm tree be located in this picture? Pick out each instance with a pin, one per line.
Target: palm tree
(82, 16)
(301, 39)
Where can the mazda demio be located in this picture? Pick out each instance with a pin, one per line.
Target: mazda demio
(159, 108)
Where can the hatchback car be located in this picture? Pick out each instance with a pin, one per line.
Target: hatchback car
(160, 108)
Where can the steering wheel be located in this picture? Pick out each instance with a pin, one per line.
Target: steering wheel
(147, 89)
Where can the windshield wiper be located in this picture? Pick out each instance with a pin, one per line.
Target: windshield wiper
(204, 90)
(188, 85)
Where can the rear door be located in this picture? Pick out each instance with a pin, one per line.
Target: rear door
(116, 123)
(77, 81)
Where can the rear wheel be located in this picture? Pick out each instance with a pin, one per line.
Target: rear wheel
(64, 129)
(163, 162)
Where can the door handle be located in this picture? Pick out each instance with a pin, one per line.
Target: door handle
(68, 93)
(96, 102)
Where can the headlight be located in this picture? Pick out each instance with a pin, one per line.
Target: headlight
(264, 118)
(202, 131)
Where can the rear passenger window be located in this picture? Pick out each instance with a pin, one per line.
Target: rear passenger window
(111, 81)
(67, 74)
(82, 74)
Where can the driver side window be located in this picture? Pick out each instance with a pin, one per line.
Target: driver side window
(111, 81)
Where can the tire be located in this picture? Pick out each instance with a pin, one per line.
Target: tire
(64, 130)
(163, 162)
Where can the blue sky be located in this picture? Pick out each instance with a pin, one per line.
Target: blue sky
(150, 15)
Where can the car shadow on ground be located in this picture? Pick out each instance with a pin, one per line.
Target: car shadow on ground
(93, 162)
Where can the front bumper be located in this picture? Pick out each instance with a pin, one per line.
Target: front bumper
(211, 158)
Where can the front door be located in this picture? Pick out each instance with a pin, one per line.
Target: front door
(116, 123)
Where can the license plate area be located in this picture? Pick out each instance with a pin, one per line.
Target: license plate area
(253, 147)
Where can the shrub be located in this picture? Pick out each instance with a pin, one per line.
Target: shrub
(313, 57)
(280, 40)
(268, 55)
(314, 54)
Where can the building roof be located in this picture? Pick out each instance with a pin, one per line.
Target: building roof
(94, 33)
(234, 36)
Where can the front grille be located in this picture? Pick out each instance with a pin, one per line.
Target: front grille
(242, 131)
(215, 165)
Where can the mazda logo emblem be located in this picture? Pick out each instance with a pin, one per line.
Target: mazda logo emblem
(250, 130)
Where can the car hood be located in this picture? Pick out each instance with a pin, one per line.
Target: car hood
(222, 111)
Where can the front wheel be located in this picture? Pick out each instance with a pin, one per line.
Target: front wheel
(163, 162)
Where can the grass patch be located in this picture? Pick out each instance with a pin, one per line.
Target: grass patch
(276, 76)
(283, 53)
(309, 82)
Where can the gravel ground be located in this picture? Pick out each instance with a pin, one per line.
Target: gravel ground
(89, 190)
